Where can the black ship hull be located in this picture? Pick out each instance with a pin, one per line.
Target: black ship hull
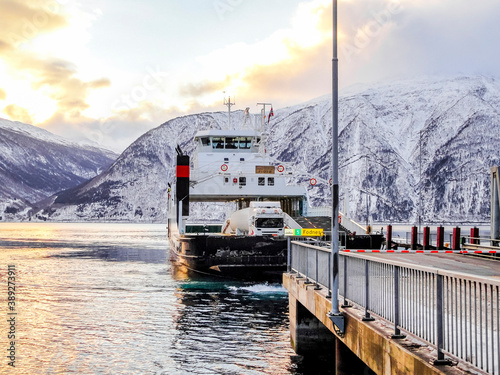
(230, 255)
(245, 256)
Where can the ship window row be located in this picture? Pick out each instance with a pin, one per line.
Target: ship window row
(228, 143)
(261, 181)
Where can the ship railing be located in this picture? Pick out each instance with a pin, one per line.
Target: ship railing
(458, 314)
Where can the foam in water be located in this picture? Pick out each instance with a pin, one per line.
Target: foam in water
(261, 289)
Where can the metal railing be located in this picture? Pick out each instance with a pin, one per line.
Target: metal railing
(458, 314)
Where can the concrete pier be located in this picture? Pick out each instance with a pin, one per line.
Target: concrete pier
(311, 331)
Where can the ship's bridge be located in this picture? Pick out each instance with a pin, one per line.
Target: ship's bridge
(228, 166)
(209, 141)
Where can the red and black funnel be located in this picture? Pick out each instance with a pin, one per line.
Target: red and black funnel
(182, 183)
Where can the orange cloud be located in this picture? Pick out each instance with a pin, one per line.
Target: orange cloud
(287, 67)
(17, 113)
(205, 87)
(306, 72)
(23, 22)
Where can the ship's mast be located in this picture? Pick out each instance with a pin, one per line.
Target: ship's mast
(263, 130)
(229, 105)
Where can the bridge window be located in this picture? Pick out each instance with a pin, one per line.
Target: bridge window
(205, 141)
(262, 181)
(245, 142)
(270, 181)
(231, 143)
(218, 142)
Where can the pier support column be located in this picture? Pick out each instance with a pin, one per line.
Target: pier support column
(308, 336)
(347, 362)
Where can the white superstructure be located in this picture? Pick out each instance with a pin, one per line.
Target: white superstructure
(228, 165)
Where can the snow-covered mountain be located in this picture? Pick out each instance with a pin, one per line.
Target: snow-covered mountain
(35, 164)
(407, 148)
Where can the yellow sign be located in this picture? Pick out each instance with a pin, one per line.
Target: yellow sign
(265, 169)
(313, 232)
(304, 232)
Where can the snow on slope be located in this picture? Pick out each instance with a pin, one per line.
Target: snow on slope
(429, 139)
(35, 164)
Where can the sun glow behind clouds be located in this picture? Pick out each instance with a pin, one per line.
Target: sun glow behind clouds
(20, 93)
(228, 69)
(82, 70)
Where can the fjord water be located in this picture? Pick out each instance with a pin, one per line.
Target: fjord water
(104, 299)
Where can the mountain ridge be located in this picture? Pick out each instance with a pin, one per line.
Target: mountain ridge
(35, 164)
(429, 140)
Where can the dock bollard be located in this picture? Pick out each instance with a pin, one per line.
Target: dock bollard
(474, 236)
(414, 238)
(388, 241)
(440, 238)
(427, 236)
(456, 238)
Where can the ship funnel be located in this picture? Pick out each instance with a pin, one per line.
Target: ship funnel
(182, 182)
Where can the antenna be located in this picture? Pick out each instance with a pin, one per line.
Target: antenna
(263, 115)
(264, 135)
(247, 116)
(228, 104)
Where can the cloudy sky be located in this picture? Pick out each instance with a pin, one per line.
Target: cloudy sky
(109, 70)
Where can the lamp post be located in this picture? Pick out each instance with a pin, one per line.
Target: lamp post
(335, 315)
(420, 180)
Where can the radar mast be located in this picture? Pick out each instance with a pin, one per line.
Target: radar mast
(227, 102)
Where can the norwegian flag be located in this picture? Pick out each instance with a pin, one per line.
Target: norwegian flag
(271, 113)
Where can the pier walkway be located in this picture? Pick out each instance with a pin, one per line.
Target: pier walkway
(403, 312)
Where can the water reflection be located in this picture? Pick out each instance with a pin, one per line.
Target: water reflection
(103, 299)
(91, 305)
(233, 328)
(109, 253)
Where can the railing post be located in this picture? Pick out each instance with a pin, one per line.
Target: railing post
(307, 267)
(346, 301)
(289, 255)
(329, 294)
(367, 317)
(439, 322)
(397, 331)
(317, 287)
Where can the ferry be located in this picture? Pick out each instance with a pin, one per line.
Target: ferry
(233, 166)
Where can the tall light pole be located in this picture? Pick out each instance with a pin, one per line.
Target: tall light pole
(420, 178)
(335, 316)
